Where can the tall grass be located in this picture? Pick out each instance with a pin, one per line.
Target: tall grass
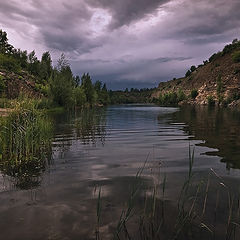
(196, 213)
(25, 139)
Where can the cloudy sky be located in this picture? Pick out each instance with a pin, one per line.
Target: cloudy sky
(125, 43)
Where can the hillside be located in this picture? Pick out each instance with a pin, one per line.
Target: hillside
(13, 84)
(215, 81)
(23, 74)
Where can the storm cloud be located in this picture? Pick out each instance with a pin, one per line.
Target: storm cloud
(125, 43)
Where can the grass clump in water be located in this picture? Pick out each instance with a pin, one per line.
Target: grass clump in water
(197, 213)
(25, 140)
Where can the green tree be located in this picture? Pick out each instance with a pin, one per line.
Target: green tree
(5, 47)
(88, 89)
(193, 68)
(188, 73)
(105, 95)
(79, 96)
(46, 66)
(236, 57)
(77, 81)
(62, 83)
(33, 63)
(98, 86)
(194, 93)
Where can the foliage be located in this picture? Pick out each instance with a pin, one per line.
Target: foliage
(188, 73)
(211, 101)
(102, 92)
(58, 84)
(179, 81)
(231, 47)
(171, 98)
(79, 96)
(91, 95)
(5, 103)
(25, 143)
(45, 66)
(5, 47)
(193, 68)
(133, 96)
(194, 93)
(25, 134)
(2, 84)
(214, 56)
(61, 87)
(236, 57)
(9, 63)
(180, 95)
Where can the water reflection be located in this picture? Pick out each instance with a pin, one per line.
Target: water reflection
(105, 148)
(90, 126)
(26, 175)
(218, 128)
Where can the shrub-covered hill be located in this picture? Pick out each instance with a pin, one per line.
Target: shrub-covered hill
(13, 84)
(217, 81)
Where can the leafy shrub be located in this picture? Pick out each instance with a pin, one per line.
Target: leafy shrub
(214, 56)
(188, 73)
(45, 103)
(211, 101)
(179, 81)
(25, 133)
(230, 47)
(236, 57)
(193, 68)
(5, 103)
(9, 63)
(194, 93)
(236, 96)
(79, 96)
(236, 71)
(2, 84)
(171, 98)
(180, 96)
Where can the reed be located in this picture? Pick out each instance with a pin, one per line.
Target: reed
(190, 216)
(25, 139)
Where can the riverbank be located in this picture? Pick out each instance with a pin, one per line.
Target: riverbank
(216, 81)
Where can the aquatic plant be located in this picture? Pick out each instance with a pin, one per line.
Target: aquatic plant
(198, 213)
(25, 140)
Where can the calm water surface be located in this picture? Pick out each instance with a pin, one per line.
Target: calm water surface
(105, 148)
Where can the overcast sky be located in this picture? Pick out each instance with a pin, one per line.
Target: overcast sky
(125, 43)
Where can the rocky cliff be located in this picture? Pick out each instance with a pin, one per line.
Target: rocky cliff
(218, 80)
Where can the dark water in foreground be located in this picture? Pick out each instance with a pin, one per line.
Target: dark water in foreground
(105, 148)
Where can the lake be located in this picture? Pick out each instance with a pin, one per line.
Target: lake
(102, 150)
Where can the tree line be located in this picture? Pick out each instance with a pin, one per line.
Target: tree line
(56, 83)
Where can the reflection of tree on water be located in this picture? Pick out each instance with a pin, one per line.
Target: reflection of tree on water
(219, 128)
(91, 126)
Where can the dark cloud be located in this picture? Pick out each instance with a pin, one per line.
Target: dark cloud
(125, 12)
(124, 41)
(204, 21)
(169, 59)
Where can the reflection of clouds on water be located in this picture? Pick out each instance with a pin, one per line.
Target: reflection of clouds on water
(104, 149)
